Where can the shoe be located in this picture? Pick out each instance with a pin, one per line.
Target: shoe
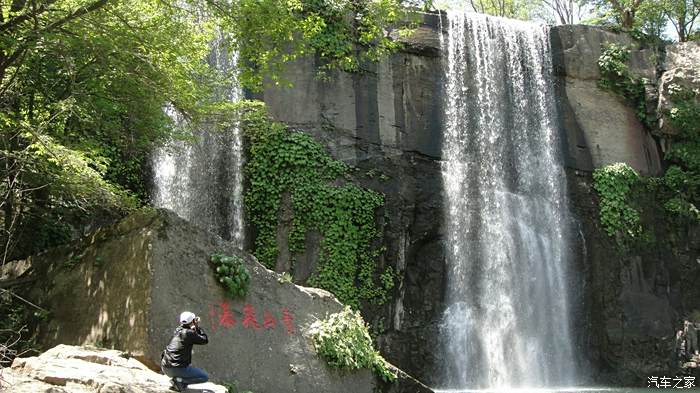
(176, 385)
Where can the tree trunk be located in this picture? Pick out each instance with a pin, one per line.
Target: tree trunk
(627, 19)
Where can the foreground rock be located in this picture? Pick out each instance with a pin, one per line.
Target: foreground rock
(124, 287)
(85, 369)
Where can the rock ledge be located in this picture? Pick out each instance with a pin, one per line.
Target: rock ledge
(66, 368)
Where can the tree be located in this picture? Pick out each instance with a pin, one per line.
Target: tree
(640, 17)
(682, 14)
(268, 34)
(83, 84)
(503, 8)
(30, 20)
(566, 11)
(626, 11)
(650, 17)
(623, 12)
(82, 90)
(551, 11)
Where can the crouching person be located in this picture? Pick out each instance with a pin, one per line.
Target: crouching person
(177, 357)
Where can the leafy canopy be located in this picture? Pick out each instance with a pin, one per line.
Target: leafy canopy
(83, 85)
(648, 17)
(344, 34)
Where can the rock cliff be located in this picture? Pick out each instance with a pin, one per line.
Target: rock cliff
(388, 119)
(124, 286)
(633, 301)
(680, 69)
(599, 126)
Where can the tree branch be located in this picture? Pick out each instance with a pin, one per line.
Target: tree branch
(17, 20)
(35, 35)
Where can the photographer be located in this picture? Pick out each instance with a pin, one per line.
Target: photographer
(177, 356)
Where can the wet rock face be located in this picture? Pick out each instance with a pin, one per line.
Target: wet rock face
(65, 368)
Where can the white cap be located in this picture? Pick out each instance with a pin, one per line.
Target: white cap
(187, 317)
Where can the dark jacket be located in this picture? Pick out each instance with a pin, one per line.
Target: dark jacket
(178, 353)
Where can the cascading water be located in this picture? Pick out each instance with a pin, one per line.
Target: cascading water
(202, 180)
(507, 321)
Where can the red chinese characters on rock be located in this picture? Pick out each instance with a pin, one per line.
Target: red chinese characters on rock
(249, 320)
(223, 316)
(269, 321)
(288, 320)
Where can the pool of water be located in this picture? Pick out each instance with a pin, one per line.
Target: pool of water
(562, 390)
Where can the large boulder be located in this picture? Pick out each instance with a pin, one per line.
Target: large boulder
(124, 287)
(600, 127)
(65, 368)
(681, 71)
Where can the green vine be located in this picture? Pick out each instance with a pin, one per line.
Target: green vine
(288, 163)
(232, 274)
(625, 197)
(682, 178)
(614, 184)
(616, 77)
(344, 341)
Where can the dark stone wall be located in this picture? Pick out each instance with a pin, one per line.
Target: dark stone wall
(386, 121)
(632, 299)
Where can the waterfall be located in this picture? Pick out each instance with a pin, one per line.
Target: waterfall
(202, 180)
(507, 322)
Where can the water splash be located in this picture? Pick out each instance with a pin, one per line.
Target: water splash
(507, 321)
(202, 180)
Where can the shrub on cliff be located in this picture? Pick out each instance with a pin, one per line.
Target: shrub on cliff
(344, 341)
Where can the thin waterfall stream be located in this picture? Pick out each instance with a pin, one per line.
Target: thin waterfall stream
(202, 180)
(507, 324)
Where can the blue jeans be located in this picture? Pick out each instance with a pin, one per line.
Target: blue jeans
(188, 375)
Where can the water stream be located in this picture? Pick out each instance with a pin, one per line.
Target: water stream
(507, 324)
(201, 180)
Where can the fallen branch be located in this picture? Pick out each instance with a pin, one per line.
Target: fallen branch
(24, 300)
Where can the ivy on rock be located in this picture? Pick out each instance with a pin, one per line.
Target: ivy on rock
(287, 162)
(614, 184)
(624, 195)
(682, 178)
(616, 77)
